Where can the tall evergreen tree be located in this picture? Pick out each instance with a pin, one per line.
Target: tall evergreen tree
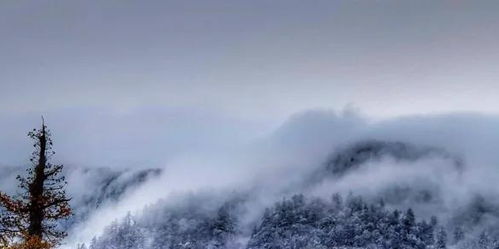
(441, 241)
(458, 234)
(31, 216)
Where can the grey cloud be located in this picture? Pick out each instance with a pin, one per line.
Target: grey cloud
(257, 59)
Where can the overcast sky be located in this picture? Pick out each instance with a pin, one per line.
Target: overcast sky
(256, 61)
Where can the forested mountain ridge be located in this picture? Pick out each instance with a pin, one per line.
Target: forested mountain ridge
(383, 219)
(101, 186)
(359, 153)
(292, 223)
(409, 210)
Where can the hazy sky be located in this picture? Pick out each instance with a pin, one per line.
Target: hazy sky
(253, 59)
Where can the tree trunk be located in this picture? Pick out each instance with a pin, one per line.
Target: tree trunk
(36, 190)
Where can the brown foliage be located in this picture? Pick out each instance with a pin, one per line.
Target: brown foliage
(32, 243)
(31, 217)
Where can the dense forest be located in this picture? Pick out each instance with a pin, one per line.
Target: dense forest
(294, 223)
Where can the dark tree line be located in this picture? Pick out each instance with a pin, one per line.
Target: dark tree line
(186, 227)
(292, 223)
(297, 223)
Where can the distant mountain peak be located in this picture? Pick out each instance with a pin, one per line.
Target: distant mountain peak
(354, 155)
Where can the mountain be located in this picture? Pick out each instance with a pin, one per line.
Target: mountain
(89, 188)
(102, 186)
(359, 153)
(409, 209)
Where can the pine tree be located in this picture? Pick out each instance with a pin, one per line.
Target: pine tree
(32, 216)
(441, 242)
(458, 234)
(224, 226)
(483, 240)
